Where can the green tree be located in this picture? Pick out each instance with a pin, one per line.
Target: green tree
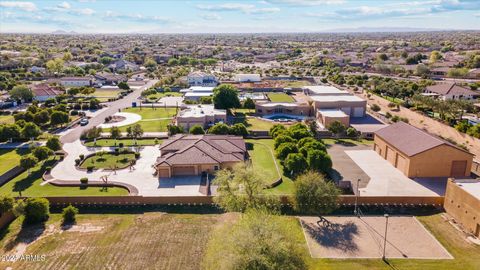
(239, 129)
(352, 132)
(284, 149)
(36, 210)
(55, 65)
(150, 63)
(92, 133)
(314, 195)
(59, 118)
(258, 240)
(219, 129)
(42, 152)
(123, 86)
(197, 129)
(27, 162)
(336, 127)
(225, 96)
(173, 129)
(242, 188)
(21, 92)
(67, 56)
(282, 139)
(6, 204)
(277, 129)
(319, 160)
(9, 131)
(30, 130)
(115, 133)
(41, 117)
(434, 57)
(69, 214)
(295, 163)
(249, 103)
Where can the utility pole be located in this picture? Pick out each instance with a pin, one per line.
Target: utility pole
(385, 238)
(355, 212)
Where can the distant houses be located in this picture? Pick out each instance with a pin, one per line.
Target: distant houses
(105, 78)
(199, 78)
(76, 81)
(448, 91)
(247, 78)
(123, 65)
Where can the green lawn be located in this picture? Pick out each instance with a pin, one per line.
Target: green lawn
(297, 84)
(29, 185)
(108, 161)
(10, 158)
(254, 123)
(126, 142)
(263, 160)
(6, 119)
(106, 93)
(280, 97)
(348, 141)
(160, 95)
(153, 119)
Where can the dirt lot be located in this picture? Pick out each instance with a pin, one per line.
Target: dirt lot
(112, 241)
(352, 237)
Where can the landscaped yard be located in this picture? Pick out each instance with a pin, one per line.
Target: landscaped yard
(153, 119)
(126, 142)
(10, 158)
(262, 157)
(6, 119)
(160, 95)
(108, 161)
(348, 141)
(29, 185)
(159, 240)
(280, 97)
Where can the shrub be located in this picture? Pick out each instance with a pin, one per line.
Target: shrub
(295, 163)
(6, 204)
(388, 115)
(84, 180)
(395, 118)
(48, 169)
(286, 148)
(90, 168)
(36, 210)
(69, 214)
(120, 145)
(314, 195)
(137, 155)
(404, 119)
(391, 105)
(282, 139)
(73, 112)
(375, 107)
(319, 160)
(77, 161)
(81, 156)
(197, 130)
(352, 132)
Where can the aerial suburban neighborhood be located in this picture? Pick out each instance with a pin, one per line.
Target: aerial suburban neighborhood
(277, 134)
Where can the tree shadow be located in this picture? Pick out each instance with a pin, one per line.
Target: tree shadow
(28, 181)
(334, 235)
(28, 234)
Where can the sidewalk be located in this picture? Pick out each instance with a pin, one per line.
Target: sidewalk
(20, 145)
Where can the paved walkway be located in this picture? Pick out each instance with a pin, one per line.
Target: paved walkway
(386, 180)
(20, 145)
(130, 118)
(142, 177)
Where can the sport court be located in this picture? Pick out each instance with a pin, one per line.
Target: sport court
(350, 237)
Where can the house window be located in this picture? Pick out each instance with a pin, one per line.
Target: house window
(216, 168)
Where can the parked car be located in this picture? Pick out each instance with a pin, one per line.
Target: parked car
(84, 122)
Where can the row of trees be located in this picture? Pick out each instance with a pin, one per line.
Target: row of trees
(299, 151)
(40, 153)
(238, 129)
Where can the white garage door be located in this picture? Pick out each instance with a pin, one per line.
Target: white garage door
(358, 112)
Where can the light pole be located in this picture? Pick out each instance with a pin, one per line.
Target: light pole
(355, 211)
(385, 238)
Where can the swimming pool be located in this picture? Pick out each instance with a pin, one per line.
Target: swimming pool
(282, 116)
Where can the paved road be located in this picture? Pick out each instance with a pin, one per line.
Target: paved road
(113, 107)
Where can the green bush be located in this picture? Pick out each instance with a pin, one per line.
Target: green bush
(81, 156)
(375, 107)
(36, 210)
(137, 155)
(84, 180)
(77, 161)
(69, 214)
(6, 204)
(90, 168)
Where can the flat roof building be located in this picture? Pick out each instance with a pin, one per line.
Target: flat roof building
(349, 104)
(313, 90)
(462, 202)
(203, 115)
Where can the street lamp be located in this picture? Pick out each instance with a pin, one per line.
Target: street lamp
(355, 211)
(385, 238)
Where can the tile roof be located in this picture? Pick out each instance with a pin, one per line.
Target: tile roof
(410, 140)
(43, 89)
(202, 149)
(450, 89)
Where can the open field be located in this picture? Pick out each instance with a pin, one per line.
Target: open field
(108, 161)
(10, 158)
(262, 158)
(114, 241)
(126, 142)
(6, 119)
(280, 97)
(29, 185)
(153, 119)
(177, 241)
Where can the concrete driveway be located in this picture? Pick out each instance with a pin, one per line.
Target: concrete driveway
(142, 177)
(386, 180)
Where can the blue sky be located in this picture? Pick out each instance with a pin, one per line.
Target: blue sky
(122, 16)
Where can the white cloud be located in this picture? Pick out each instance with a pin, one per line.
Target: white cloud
(85, 11)
(64, 5)
(27, 6)
(307, 2)
(244, 8)
(113, 16)
(210, 17)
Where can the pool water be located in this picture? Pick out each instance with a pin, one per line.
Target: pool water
(280, 116)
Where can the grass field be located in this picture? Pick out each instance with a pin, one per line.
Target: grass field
(159, 95)
(262, 125)
(114, 241)
(263, 159)
(10, 158)
(6, 119)
(29, 185)
(126, 142)
(153, 120)
(280, 97)
(297, 84)
(108, 161)
(156, 240)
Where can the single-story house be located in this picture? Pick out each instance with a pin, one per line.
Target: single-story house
(76, 81)
(451, 91)
(203, 115)
(123, 65)
(195, 93)
(269, 108)
(44, 91)
(323, 90)
(184, 155)
(106, 78)
(199, 78)
(417, 153)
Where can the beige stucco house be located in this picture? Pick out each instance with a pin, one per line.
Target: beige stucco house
(203, 115)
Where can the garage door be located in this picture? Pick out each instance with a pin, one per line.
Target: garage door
(458, 168)
(358, 112)
(183, 170)
(163, 173)
(401, 164)
(390, 155)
